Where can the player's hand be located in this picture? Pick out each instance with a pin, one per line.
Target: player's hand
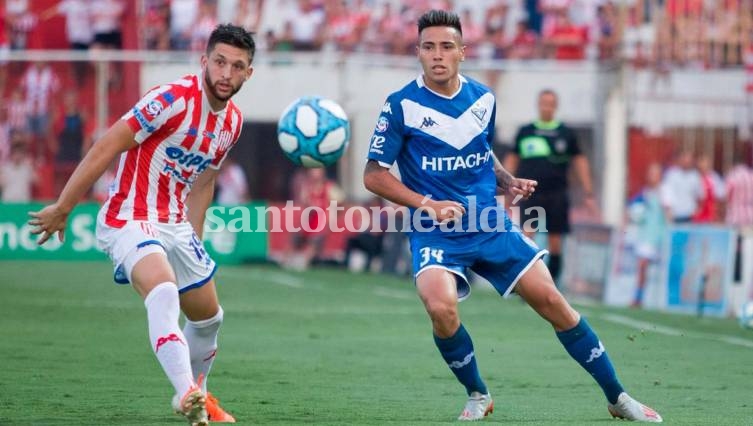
(589, 202)
(522, 188)
(48, 221)
(445, 211)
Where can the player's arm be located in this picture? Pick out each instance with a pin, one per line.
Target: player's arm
(118, 139)
(509, 184)
(583, 171)
(199, 199)
(379, 180)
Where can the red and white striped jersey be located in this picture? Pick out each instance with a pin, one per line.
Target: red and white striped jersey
(740, 196)
(179, 136)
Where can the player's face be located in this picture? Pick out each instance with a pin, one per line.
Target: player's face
(225, 68)
(547, 106)
(440, 50)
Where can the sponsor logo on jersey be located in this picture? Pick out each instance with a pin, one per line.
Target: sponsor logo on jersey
(180, 164)
(447, 164)
(387, 108)
(428, 122)
(143, 121)
(377, 143)
(382, 124)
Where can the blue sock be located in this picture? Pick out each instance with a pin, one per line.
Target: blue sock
(457, 351)
(585, 347)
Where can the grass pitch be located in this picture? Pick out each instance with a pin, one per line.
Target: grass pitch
(330, 347)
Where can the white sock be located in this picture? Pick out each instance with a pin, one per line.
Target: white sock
(168, 342)
(202, 342)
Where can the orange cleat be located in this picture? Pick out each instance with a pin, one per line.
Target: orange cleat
(215, 412)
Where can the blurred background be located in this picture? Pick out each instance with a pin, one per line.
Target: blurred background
(641, 82)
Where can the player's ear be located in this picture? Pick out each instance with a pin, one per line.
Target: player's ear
(249, 71)
(204, 61)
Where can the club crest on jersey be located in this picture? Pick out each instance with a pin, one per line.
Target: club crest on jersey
(382, 124)
(478, 111)
(560, 145)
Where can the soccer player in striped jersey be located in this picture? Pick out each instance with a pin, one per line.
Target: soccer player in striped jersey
(171, 145)
(439, 129)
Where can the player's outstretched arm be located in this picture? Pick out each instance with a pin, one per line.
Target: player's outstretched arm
(381, 182)
(199, 199)
(52, 219)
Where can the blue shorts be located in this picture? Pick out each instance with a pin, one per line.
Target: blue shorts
(500, 257)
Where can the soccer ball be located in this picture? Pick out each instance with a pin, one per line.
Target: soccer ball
(313, 131)
(746, 315)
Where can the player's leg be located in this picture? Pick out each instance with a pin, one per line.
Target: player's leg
(204, 317)
(557, 224)
(194, 270)
(581, 342)
(437, 289)
(153, 278)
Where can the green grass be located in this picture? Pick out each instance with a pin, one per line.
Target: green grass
(329, 347)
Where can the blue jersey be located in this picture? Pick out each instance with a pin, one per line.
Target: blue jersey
(442, 146)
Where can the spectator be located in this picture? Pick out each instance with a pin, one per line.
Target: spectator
(17, 175)
(4, 135)
(712, 191)
(18, 110)
(21, 21)
(566, 41)
(78, 29)
(681, 188)
(232, 186)
(40, 83)
(249, 14)
(182, 18)
(311, 188)
(155, 28)
(649, 213)
(106, 16)
(308, 26)
(72, 139)
(739, 208)
(205, 23)
(524, 44)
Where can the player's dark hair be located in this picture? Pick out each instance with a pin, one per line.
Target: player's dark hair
(439, 18)
(234, 36)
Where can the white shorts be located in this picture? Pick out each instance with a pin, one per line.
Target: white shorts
(192, 265)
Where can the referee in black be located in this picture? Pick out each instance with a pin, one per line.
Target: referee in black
(544, 151)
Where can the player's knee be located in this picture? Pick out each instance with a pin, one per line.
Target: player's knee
(442, 312)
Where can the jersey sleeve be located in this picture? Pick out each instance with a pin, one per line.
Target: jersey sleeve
(151, 112)
(491, 127)
(387, 140)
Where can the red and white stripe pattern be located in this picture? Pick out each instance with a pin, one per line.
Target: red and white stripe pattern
(179, 137)
(748, 59)
(739, 183)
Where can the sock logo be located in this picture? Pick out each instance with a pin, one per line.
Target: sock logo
(596, 352)
(463, 363)
(172, 337)
(211, 355)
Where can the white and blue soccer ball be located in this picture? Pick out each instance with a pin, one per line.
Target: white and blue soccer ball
(746, 315)
(313, 131)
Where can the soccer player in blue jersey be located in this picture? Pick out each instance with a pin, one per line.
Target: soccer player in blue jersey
(439, 129)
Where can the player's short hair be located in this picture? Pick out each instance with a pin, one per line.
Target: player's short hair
(234, 36)
(439, 18)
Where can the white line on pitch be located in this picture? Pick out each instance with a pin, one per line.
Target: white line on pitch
(671, 331)
(284, 279)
